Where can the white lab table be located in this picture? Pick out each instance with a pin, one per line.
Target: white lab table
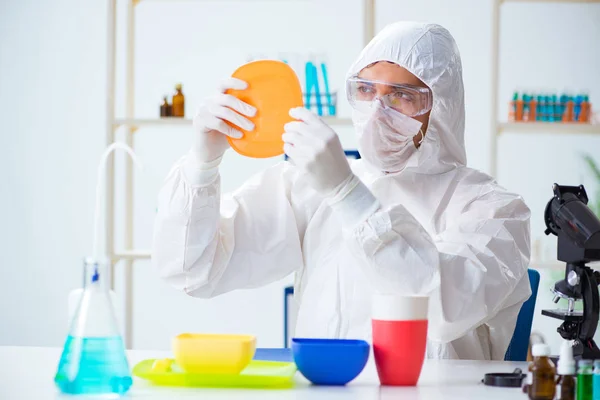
(27, 373)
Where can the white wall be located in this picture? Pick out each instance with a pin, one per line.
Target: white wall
(52, 60)
(51, 125)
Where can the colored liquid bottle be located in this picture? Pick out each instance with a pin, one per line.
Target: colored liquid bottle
(178, 102)
(568, 114)
(541, 377)
(533, 109)
(584, 116)
(519, 108)
(540, 105)
(585, 380)
(548, 111)
(596, 383)
(512, 109)
(93, 360)
(577, 108)
(565, 385)
(165, 108)
(543, 110)
(554, 109)
(563, 105)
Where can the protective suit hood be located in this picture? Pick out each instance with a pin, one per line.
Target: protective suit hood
(429, 52)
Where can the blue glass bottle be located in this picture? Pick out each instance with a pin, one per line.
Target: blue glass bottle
(93, 361)
(540, 108)
(554, 109)
(563, 105)
(596, 383)
(577, 108)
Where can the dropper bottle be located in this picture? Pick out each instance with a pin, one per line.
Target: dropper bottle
(542, 380)
(566, 370)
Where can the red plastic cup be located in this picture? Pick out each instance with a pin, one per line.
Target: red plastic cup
(399, 337)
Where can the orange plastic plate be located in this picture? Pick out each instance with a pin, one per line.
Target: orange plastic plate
(273, 88)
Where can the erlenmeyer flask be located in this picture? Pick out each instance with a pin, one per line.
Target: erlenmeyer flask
(93, 360)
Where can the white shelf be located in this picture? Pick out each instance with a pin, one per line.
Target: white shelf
(548, 127)
(496, 128)
(133, 255)
(207, 1)
(139, 122)
(550, 1)
(176, 121)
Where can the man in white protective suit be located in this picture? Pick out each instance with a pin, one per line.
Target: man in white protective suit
(409, 217)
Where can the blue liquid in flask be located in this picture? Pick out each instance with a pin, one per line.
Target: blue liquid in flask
(92, 365)
(93, 361)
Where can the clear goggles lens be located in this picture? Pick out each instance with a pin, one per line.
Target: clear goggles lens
(409, 100)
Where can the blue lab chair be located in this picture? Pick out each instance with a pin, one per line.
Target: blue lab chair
(519, 344)
(517, 349)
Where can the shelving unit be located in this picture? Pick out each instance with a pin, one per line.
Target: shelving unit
(498, 127)
(548, 127)
(174, 121)
(130, 124)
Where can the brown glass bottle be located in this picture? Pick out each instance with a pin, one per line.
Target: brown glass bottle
(542, 374)
(178, 102)
(165, 108)
(565, 387)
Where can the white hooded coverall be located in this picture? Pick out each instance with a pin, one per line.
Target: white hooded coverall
(436, 228)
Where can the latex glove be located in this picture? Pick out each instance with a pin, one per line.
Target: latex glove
(313, 146)
(209, 122)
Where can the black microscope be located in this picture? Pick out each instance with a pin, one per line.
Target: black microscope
(578, 230)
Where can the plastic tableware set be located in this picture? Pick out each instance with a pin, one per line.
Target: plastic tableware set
(210, 360)
(399, 340)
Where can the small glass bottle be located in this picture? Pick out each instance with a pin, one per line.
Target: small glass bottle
(584, 116)
(596, 389)
(542, 373)
(178, 102)
(565, 385)
(93, 361)
(585, 380)
(165, 108)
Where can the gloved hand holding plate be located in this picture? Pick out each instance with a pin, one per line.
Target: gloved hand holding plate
(274, 89)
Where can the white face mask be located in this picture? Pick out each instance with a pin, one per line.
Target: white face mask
(385, 137)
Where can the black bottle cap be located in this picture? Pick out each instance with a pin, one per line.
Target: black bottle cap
(514, 379)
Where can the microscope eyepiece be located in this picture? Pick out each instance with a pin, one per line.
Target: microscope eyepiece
(567, 212)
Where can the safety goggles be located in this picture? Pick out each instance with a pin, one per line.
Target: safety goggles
(407, 99)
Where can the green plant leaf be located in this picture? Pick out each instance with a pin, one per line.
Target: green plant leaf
(589, 160)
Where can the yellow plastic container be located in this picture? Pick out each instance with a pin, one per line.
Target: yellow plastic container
(213, 354)
(257, 375)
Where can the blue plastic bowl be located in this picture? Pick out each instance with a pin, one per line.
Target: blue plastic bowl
(330, 361)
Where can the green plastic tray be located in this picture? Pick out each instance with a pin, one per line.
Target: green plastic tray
(258, 374)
